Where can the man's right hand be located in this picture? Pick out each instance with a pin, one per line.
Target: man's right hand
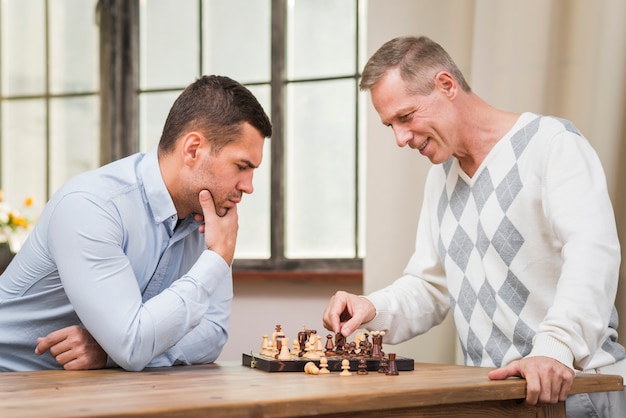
(73, 348)
(220, 232)
(346, 312)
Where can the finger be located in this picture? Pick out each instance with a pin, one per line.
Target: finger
(65, 357)
(206, 202)
(533, 390)
(350, 326)
(502, 373)
(44, 343)
(331, 318)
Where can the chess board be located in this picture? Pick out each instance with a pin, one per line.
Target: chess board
(269, 364)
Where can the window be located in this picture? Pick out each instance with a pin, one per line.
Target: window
(301, 58)
(49, 103)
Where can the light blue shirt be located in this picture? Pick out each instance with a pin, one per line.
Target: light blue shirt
(106, 254)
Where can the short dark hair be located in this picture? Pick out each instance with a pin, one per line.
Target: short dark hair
(216, 106)
(418, 59)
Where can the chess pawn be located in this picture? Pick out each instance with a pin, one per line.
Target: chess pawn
(345, 368)
(362, 367)
(382, 366)
(311, 368)
(295, 350)
(324, 366)
(393, 367)
(284, 350)
(264, 345)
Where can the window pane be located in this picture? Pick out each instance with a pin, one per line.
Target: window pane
(320, 167)
(74, 131)
(153, 110)
(237, 39)
(168, 43)
(321, 38)
(73, 46)
(24, 151)
(253, 240)
(23, 47)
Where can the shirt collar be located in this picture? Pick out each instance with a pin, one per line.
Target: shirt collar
(159, 199)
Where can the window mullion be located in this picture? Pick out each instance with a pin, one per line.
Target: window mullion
(277, 221)
(118, 78)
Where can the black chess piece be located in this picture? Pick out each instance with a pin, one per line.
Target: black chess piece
(382, 365)
(392, 369)
(362, 367)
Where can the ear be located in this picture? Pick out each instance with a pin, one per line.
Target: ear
(191, 145)
(447, 84)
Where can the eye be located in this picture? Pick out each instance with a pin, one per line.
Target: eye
(406, 117)
(242, 167)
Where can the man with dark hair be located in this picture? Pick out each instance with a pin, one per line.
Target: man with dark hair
(516, 237)
(130, 264)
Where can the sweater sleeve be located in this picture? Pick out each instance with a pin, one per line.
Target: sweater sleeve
(578, 208)
(418, 300)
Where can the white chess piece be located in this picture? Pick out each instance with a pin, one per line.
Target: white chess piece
(345, 368)
(284, 350)
(324, 366)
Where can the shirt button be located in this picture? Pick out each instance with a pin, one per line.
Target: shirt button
(158, 219)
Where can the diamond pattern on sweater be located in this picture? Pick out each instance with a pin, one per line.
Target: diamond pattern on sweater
(497, 345)
(459, 198)
(488, 198)
(509, 188)
(487, 298)
(523, 338)
(507, 241)
(467, 299)
(482, 189)
(474, 349)
(460, 248)
(514, 293)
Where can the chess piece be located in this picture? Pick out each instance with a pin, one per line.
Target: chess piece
(302, 339)
(265, 351)
(377, 344)
(330, 346)
(311, 368)
(277, 335)
(324, 366)
(345, 368)
(340, 341)
(284, 350)
(295, 350)
(362, 367)
(382, 365)
(393, 367)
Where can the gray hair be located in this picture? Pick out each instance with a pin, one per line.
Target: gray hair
(418, 59)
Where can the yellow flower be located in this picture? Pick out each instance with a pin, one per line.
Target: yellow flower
(14, 227)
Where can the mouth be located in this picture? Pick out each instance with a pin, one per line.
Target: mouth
(421, 147)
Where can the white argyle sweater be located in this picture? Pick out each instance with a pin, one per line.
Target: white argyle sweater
(525, 254)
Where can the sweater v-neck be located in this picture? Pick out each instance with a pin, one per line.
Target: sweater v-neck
(495, 150)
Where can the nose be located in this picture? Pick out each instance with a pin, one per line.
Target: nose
(245, 185)
(403, 136)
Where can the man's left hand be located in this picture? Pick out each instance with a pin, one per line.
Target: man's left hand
(547, 380)
(73, 348)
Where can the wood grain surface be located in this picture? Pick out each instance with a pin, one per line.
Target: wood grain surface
(234, 390)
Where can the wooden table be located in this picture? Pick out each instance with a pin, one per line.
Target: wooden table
(232, 390)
